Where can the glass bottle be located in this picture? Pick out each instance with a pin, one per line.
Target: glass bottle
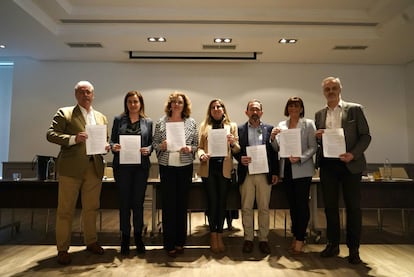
(50, 169)
(387, 170)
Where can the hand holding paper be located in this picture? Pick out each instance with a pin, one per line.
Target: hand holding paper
(333, 141)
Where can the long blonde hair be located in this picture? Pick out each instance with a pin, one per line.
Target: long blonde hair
(208, 120)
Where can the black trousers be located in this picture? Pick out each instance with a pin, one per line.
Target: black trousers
(297, 192)
(175, 183)
(132, 182)
(217, 189)
(335, 177)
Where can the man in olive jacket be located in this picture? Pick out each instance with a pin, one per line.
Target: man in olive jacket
(78, 172)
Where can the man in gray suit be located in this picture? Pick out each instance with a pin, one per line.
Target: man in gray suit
(343, 172)
(78, 172)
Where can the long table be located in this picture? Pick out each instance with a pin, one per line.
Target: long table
(35, 194)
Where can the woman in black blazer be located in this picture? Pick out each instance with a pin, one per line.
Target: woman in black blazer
(132, 178)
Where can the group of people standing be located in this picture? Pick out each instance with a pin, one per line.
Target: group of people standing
(82, 173)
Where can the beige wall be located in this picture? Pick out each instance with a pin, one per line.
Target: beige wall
(409, 92)
(39, 88)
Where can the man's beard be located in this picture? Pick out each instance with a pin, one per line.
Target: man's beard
(255, 117)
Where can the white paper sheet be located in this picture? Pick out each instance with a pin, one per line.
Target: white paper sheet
(333, 142)
(175, 136)
(217, 142)
(130, 149)
(96, 142)
(290, 143)
(258, 155)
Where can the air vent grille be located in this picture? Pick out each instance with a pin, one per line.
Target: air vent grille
(220, 47)
(350, 47)
(84, 45)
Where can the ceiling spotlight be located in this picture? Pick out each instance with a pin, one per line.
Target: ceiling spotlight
(2, 46)
(288, 40)
(222, 40)
(157, 39)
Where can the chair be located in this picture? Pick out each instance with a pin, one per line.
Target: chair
(397, 173)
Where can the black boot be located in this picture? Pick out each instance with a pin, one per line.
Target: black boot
(353, 257)
(139, 244)
(125, 244)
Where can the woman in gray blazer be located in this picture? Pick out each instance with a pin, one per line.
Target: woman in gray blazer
(297, 172)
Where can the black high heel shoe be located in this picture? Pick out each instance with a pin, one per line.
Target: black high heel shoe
(140, 245)
(125, 245)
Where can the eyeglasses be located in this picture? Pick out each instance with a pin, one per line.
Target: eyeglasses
(177, 102)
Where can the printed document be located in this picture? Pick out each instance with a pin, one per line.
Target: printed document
(217, 142)
(175, 136)
(258, 155)
(96, 142)
(333, 142)
(130, 149)
(290, 143)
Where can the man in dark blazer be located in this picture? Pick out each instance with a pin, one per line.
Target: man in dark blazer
(256, 186)
(78, 172)
(344, 172)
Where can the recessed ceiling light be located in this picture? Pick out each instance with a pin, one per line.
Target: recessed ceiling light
(157, 39)
(2, 46)
(222, 40)
(288, 40)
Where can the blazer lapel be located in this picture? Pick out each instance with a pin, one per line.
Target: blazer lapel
(98, 118)
(77, 114)
(264, 133)
(323, 118)
(244, 138)
(344, 114)
(144, 130)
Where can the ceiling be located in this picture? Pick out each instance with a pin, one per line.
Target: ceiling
(366, 31)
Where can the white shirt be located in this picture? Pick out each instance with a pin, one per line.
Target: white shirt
(89, 116)
(334, 117)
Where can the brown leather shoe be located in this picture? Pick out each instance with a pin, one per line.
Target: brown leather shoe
(264, 247)
(172, 253)
(95, 249)
(64, 258)
(179, 250)
(247, 246)
(298, 248)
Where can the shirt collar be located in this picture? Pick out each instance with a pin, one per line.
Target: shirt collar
(251, 126)
(84, 111)
(340, 105)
